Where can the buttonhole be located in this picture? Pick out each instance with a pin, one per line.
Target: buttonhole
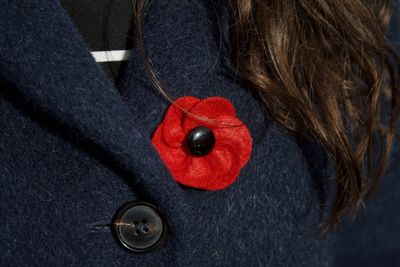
(99, 226)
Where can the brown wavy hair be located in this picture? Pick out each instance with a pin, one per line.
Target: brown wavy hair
(322, 69)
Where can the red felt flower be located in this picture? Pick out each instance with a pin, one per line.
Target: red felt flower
(230, 151)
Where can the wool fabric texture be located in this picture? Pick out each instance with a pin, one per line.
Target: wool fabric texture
(74, 149)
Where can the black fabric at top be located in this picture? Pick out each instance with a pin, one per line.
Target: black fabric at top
(105, 25)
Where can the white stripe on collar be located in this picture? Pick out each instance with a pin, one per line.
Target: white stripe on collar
(111, 55)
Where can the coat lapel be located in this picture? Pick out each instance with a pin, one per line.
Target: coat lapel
(44, 57)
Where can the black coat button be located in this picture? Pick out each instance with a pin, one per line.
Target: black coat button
(139, 226)
(200, 141)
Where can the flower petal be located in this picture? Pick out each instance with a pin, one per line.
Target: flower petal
(197, 173)
(226, 168)
(237, 138)
(174, 157)
(211, 108)
(214, 172)
(172, 133)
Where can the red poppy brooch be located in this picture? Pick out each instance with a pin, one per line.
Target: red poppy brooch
(206, 154)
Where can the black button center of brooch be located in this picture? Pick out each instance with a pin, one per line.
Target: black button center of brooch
(200, 141)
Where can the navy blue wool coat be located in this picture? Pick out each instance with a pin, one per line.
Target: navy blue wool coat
(73, 150)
